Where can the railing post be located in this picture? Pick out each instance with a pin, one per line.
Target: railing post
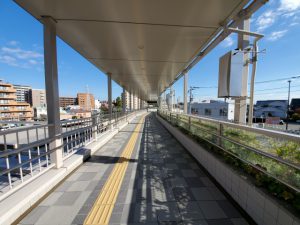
(220, 133)
(94, 127)
(189, 123)
(52, 95)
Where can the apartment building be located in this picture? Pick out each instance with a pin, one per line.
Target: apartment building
(10, 109)
(22, 93)
(38, 98)
(134, 101)
(67, 101)
(86, 101)
(126, 99)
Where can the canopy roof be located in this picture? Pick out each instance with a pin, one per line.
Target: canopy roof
(143, 44)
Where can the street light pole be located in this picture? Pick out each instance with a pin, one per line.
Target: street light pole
(288, 106)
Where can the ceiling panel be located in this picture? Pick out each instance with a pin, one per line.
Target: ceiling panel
(143, 44)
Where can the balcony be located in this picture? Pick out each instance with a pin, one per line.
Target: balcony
(8, 90)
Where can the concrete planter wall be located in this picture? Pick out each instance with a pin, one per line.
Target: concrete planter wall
(261, 207)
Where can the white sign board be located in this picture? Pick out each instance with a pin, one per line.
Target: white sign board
(231, 67)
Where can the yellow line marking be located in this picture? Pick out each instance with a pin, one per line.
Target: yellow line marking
(102, 209)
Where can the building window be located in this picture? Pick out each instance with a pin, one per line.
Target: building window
(223, 112)
(4, 108)
(207, 112)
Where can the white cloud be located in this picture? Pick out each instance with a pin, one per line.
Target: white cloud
(33, 62)
(13, 43)
(8, 60)
(265, 20)
(21, 54)
(289, 5)
(276, 35)
(18, 57)
(228, 42)
(293, 24)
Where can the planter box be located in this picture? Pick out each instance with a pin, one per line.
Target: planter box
(262, 208)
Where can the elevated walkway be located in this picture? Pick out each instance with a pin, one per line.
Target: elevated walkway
(141, 176)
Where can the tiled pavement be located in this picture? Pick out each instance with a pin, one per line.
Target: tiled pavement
(163, 184)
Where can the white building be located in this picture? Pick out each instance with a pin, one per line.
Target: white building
(97, 104)
(22, 93)
(215, 109)
(270, 108)
(134, 101)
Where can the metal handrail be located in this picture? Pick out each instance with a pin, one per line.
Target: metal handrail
(84, 133)
(273, 134)
(170, 117)
(295, 166)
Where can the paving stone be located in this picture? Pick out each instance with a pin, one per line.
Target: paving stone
(211, 210)
(183, 194)
(193, 222)
(57, 215)
(188, 173)
(229, 209)
(51, 199)
(78, 186)
(79, 219)
(65, 185)
(239, 221)
(168, 212)
(87, 176)
(67, 198)
(220, 222)
(202, 194)
(194, 182)
(35, 214)
(190, 211)
(216, 193)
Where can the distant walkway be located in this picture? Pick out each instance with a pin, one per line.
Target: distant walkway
(162, 184)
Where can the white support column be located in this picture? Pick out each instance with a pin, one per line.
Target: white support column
(171, 98)
(185, 90)
(240, 105)
(124, 101)
(52, 94)
(109, 99)
(130, 101)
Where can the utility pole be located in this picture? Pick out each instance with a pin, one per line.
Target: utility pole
(191, 98)
(288, 107)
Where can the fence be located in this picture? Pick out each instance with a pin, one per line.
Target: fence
(273, 153)
(25, 152)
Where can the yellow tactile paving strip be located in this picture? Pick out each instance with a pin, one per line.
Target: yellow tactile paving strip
(103, 206)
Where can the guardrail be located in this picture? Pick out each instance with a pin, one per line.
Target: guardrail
(275, 154)
(25, 152)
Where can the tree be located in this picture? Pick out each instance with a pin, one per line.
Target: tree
(118, 102)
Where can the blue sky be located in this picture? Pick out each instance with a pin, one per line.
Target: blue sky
(21, 55)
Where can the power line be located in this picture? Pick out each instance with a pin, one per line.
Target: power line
(275, 88)
(280, 79)
(277, 92)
